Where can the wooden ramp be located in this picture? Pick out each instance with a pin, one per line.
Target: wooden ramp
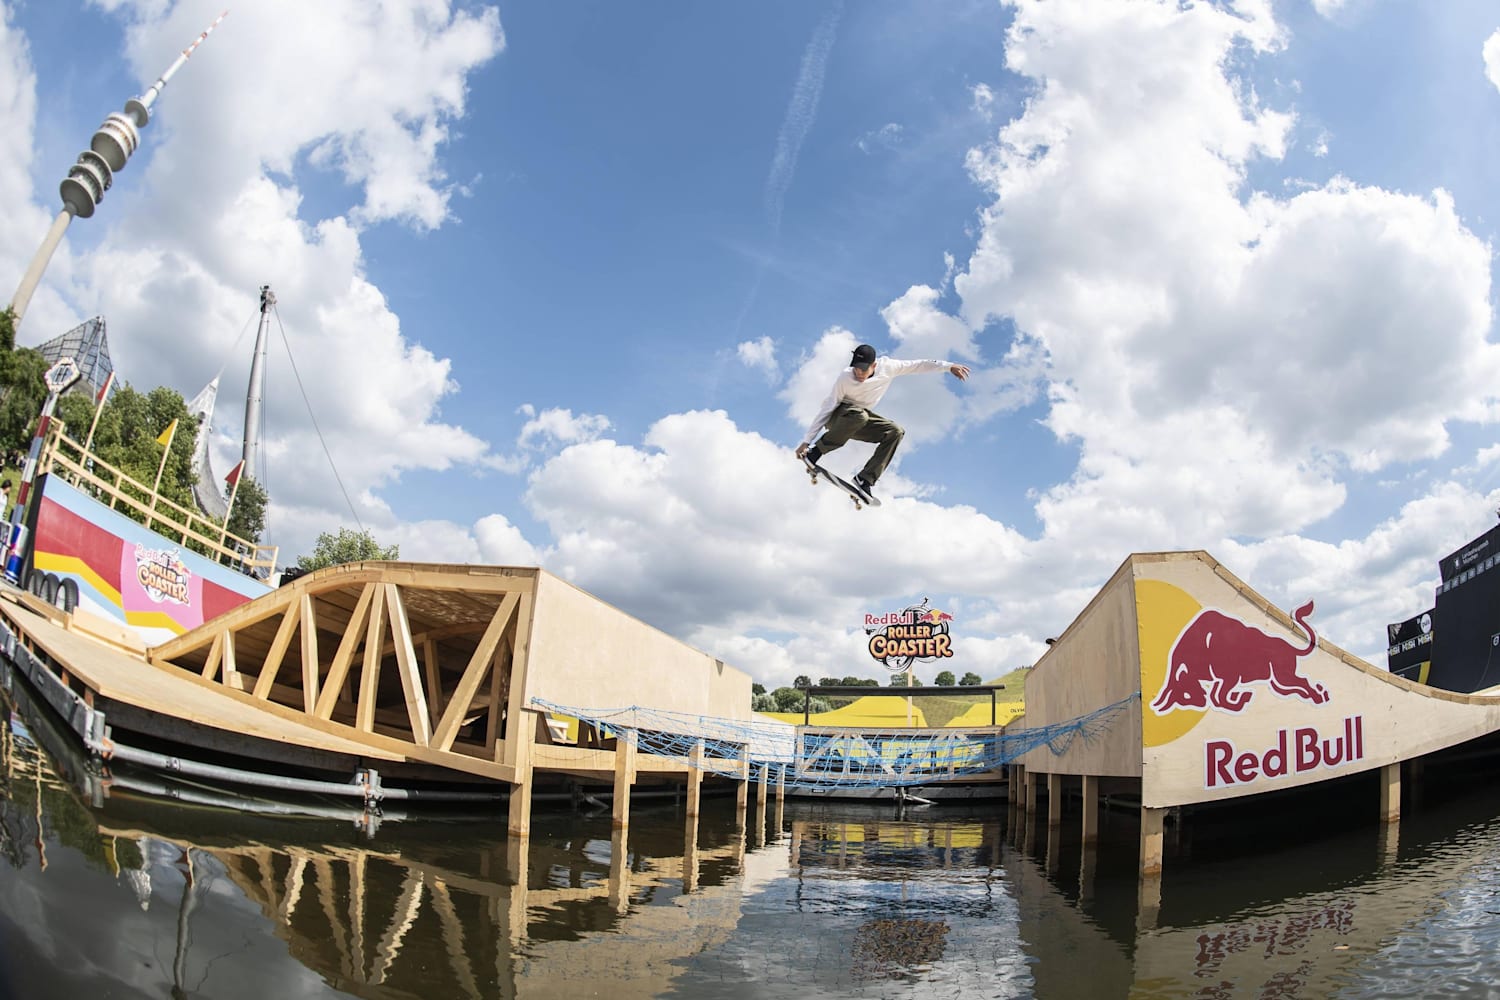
(1227, 697)
(428, 671)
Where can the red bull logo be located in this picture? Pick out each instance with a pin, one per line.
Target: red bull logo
(1217, 657)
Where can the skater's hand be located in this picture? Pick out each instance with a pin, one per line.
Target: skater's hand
(960, 372)
(802, 451)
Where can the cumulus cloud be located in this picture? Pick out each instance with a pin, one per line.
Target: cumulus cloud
(1492, 58)
(761, 355)
(178, 276)
(558, 427)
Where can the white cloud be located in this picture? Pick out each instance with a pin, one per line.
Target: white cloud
(982, 99)
(1218, 359)
(887, 136)
(190, 232)
(801, 111)
(1492, 59)
(557, 427)
(761, 355)
(692, 533)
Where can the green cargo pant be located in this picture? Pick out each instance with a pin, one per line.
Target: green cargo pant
(855, 423)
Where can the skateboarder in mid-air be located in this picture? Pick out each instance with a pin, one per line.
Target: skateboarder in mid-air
(848, 413)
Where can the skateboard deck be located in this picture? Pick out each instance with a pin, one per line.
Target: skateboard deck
(860, 497)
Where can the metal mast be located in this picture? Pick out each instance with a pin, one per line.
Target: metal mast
(92, 175)
(257, 382)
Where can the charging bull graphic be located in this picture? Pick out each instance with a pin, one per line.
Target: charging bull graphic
(1217, 654)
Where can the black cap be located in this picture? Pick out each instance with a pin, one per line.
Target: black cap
(864, 356)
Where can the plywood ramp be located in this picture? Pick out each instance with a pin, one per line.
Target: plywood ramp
(1225, 694)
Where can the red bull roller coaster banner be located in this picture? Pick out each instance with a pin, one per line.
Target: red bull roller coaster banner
(1246, 696)
(897, 639)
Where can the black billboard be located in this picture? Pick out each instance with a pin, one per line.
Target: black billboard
(1409, 653)
(1477, 553)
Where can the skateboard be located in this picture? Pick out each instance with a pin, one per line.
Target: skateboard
(859, 496)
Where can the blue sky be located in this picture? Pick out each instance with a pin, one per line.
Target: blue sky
(565, 281)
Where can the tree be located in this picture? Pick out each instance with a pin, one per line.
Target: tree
(757, 688)
(127, 437)
(971, 679)
(899, 680)
(247, 518)
(22, 389)
(944, 679)
(788, 699)
(345, 547)
(802, 681)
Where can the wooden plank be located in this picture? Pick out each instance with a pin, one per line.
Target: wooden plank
(272, 664)
(430, 663)
(309, 654)
(338, 671)
(369, 679)
(482, 660)
(518, 667)
(406, 661)
(499, 692)
(231, 665)
(215, 654)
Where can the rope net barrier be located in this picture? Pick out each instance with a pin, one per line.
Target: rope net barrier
(817, 757)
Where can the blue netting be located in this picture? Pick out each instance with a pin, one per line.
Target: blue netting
(822, 757)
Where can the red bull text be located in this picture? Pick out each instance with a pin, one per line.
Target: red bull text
(1296, 751)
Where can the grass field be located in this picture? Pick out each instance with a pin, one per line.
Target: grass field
(888, 709)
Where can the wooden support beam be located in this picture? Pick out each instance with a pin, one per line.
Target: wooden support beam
(516, 697)
(230, 667)
(1090, 809)
(343, 657)
(624, 778)
(482, 661)
(1153, 827)
(369, 678)
(215, 654)
(695, 779)
(406, 661)
(309, 654)
(499, 695)
(434, 676)
(1054, 799)
(277, 652)
(1390, 793)
(519, 741)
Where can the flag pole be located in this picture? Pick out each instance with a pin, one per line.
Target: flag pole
(98, 409)
(234, 490)
(170, 434)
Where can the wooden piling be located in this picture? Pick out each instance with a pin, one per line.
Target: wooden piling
(624, 778)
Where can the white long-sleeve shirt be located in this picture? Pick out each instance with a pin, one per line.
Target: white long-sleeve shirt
(846, 389)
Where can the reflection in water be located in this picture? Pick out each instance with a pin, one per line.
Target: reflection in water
(104, 893)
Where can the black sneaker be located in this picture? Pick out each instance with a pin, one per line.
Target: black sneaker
(867, 488)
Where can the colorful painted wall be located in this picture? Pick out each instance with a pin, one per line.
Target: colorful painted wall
(127, 574)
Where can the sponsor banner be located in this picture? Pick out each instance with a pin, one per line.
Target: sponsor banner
(128, 574)
(1471, 556)
(1410, 644)
(1231, 707)
(897, 639)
